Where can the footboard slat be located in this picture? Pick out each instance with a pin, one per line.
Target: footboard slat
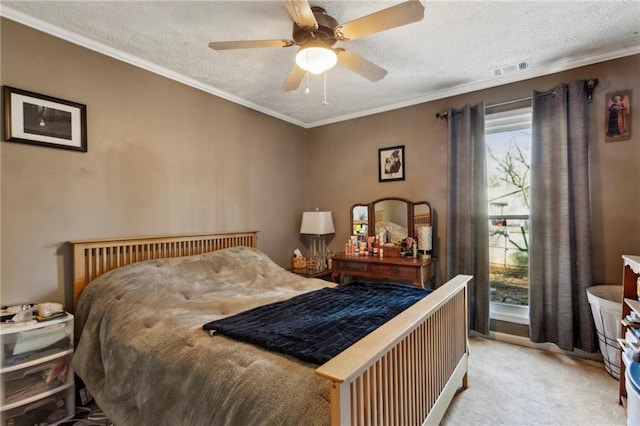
(405, 372)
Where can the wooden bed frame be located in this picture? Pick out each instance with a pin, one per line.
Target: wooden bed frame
(404, 373)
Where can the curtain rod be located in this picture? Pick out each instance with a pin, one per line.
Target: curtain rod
(445, 114)
(515, 101)
(589, 87)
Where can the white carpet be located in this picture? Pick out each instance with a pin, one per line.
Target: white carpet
(513, 385)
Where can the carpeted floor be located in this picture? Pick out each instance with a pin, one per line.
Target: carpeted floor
(517, 386)
(513, 385)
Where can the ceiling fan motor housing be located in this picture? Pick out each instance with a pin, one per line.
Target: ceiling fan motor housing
(323, 35)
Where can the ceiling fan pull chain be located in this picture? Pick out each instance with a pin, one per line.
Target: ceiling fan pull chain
(324, 102)
(306, 90)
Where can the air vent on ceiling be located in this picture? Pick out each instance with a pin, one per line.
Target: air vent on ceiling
(512, 68)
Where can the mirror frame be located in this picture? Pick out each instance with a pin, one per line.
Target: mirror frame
(410, 214)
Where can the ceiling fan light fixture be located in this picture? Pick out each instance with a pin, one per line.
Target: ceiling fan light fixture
(316, 60)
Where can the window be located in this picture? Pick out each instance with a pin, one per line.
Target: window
(508, 139)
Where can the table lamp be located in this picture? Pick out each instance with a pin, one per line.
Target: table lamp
(317, 224)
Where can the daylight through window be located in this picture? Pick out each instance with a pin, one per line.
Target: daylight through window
(508, 139)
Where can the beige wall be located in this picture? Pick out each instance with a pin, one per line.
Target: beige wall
(166, 158)
(343, 162)
(162, 158)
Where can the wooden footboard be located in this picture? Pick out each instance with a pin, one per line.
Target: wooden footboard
(407, 371)
(92, 258)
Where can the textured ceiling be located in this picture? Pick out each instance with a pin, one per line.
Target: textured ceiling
(451, 51)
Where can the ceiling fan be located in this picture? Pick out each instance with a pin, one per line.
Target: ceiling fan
(316, 33)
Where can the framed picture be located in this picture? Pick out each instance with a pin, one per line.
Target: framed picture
(617, 122)
(391, 163)
(42, 120)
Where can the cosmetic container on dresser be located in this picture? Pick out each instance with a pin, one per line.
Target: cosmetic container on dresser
(37, 382)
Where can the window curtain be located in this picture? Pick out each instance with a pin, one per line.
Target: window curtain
(467, 217)
(560, 255)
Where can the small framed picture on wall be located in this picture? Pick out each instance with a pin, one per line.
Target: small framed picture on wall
(391, 163)
(618, 116)
(43, 120)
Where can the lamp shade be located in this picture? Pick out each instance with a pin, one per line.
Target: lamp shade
(316, 59)
(424, 238)
(317, 223)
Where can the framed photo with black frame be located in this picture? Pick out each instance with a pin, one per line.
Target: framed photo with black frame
(391, 163)
(42, 120)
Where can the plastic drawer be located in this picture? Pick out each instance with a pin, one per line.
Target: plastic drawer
(51, 409)
(26, 344)
(36, 379)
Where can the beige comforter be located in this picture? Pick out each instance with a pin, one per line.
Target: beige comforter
(145, 358)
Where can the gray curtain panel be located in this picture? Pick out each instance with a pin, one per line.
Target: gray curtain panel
(560, 255)
(467, 216)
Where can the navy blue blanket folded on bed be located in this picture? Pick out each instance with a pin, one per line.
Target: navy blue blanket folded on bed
(318, 325)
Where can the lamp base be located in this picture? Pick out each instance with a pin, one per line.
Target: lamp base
(319, 254)
(425, 254)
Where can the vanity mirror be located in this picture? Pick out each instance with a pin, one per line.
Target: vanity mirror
(392, 214)
(422, 226)
(421, 214)
(360, 219)
(399, 216)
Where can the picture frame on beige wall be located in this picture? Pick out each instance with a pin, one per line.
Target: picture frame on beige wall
(36, 119)
(391, 163)
(617, 122)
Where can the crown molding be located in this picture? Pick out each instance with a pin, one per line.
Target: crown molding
(85, 42)
(101, 48)
(489, 83)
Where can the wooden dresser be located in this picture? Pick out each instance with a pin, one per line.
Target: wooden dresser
(416, 271)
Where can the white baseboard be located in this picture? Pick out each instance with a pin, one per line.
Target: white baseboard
(524, 341)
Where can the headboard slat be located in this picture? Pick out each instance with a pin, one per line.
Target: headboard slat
(92, 258)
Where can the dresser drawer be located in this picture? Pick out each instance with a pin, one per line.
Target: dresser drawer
(395, 271)
(416, 271)
(48, 410)
(36, 379)
(346, 266)
(30, 344)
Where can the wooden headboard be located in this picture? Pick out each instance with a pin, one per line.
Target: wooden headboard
(92, 258)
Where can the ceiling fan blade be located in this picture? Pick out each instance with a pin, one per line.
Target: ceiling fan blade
(392, 17)
(249, 44)
(359, 65)
(301, 14)
(293, 79)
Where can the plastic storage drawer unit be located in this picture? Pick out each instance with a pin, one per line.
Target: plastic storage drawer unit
(21, 344)
(51, 409)
(37, 384)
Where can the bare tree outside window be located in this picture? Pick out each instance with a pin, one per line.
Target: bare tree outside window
(508, 189)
